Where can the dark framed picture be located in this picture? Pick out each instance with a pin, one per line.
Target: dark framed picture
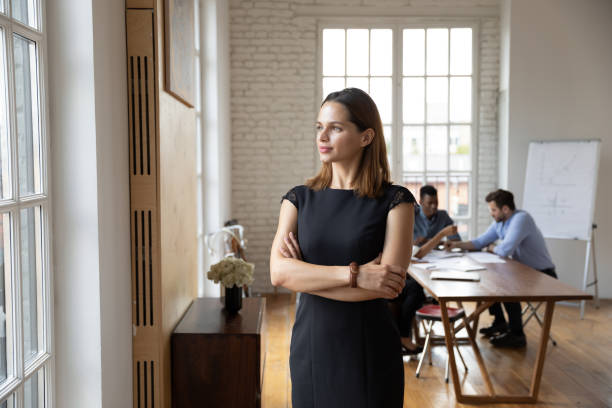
(180, 50)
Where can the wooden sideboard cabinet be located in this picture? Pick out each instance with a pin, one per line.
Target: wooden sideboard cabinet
(217, 358)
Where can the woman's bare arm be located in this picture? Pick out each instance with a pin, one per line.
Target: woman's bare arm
(432, 243)
(300, 276)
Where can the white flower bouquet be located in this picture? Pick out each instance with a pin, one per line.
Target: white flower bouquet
(232, 271)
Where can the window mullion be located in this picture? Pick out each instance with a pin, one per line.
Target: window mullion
(425, 108)
(448, 169)
(397, 141)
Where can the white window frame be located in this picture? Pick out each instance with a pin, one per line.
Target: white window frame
(44, 361)
(398, 25)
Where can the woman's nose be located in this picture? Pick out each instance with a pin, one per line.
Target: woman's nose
(323, 135)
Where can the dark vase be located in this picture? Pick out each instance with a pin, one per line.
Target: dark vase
(233, 299)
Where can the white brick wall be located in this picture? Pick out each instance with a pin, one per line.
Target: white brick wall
(273, 86)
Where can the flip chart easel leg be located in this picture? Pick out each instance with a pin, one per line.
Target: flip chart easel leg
(586, 275)
(595, 271)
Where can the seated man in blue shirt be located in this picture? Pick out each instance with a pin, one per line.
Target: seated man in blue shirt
(431, 226)
(521, 239)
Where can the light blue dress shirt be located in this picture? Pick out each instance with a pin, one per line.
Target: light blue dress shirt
(425, 227)
(520, 238)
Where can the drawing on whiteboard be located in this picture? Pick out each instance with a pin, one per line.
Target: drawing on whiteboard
(560, 182)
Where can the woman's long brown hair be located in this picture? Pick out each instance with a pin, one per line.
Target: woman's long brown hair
(373, 172)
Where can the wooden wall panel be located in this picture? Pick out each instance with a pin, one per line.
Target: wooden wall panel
(162, 140)
(144, 214)
(178, 208)
(140, 4)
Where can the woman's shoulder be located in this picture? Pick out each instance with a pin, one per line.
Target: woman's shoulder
(397, 194)
(294, 195)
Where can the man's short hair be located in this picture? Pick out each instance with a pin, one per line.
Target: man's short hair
(428, 190)
(501, 198)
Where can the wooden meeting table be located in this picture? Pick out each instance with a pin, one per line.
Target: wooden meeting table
(500, 282)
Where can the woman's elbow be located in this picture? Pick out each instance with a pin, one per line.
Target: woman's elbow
(276, 277)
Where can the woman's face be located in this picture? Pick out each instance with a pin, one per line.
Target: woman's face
(338, 139)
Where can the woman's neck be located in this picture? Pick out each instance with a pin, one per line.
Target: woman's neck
(344, 175)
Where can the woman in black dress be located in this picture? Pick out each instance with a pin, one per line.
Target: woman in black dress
(345, 344)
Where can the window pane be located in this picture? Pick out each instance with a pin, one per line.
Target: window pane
(28, 129)
(460, 147)
(413, 148)
(26, 11)
(414, 100)
(439, 182)
(461, 51)
(413, 183)
(461, 99)
(381, 52)
(357, 82)
(9, 402)
(333, 52)
(332, 85)
(437, 100)
(5, 176)
(380, 91)
(34, 390)
(357, 52)
(31, 272)
(6, 359)
(388, 144)
(436, 148)
(414, 52)
(459, 196)
(437, 51)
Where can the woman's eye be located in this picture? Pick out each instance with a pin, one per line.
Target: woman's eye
(337, 129)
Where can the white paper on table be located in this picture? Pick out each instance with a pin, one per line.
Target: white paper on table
(455, 263)
(486, 257)
(424, 265)
(436, 255)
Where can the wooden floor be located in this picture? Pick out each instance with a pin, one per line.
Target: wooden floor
(577, 372)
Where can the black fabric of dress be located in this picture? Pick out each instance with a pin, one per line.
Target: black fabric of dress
(344, 354)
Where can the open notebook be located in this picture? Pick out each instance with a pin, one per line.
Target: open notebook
(455, 275)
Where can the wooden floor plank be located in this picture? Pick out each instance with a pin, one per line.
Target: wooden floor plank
(577, 373)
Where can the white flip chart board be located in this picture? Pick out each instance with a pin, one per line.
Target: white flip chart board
(560, 187)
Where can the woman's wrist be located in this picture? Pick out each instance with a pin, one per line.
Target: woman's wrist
(354, 272)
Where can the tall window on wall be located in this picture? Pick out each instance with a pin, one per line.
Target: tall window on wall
(25, 324)
(421, 79)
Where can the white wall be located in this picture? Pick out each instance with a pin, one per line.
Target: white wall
(90, 199)
(560, 87)
(273, 85)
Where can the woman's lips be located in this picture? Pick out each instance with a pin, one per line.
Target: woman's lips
(324, 149)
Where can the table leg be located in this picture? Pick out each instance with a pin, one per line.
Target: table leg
(472, 337)
(474, 316)
(537, 372)
(449, 348)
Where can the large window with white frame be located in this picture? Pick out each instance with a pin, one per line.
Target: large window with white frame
(25, 304)
(422, 80)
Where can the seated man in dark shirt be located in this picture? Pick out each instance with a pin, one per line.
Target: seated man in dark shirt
(431, 226)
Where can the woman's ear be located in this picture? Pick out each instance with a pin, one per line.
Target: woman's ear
(366, 137)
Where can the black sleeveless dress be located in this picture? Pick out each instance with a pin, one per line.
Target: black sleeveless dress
(344, 354)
